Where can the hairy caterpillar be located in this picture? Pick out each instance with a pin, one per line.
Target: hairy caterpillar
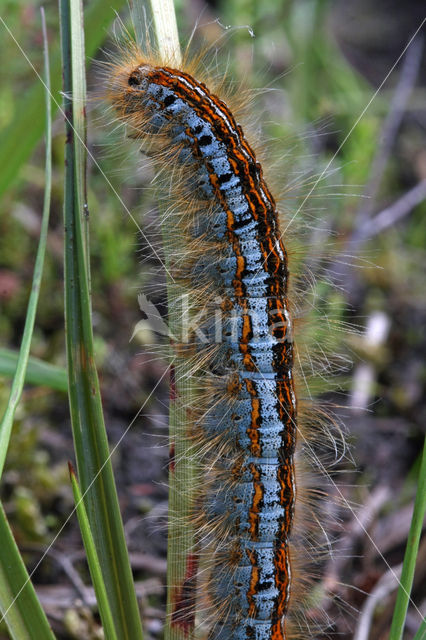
(227, 220)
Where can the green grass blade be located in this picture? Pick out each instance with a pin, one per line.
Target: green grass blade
(38, 372)
(90, 441)
(16, 148)
(19, 605)
(19, 377)
(421, 631)
(93, 560)
(410, 556)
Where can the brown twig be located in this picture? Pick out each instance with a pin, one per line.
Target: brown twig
(391, 214)
(407, 80)
(355, 530)
(364, 227)
(384, 587)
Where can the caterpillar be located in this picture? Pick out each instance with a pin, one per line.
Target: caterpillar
(247, 419)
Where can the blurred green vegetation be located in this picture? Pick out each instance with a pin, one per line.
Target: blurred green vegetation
(315, 98)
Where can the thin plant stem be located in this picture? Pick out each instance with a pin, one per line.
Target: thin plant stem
(410, 556)
(181, 553)
(21, 367)
(90, 438)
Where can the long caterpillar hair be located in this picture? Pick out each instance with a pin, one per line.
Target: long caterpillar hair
(259, 439)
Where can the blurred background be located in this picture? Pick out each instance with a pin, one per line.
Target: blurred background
(345, 108)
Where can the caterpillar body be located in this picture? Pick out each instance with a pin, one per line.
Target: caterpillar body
(234, 250)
